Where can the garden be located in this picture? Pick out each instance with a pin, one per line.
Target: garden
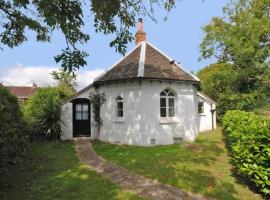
(202, 167)
(232, 162)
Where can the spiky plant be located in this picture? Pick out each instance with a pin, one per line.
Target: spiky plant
(50, 117)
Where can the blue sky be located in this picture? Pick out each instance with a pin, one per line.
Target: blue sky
(179, 37)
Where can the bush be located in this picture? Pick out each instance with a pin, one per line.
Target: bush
(222, 82)
(13, 134)
(240, 101)
(43, 112)
(248, 138)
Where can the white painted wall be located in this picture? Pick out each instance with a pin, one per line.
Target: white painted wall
(205, 119)
(142, 121)
(66, 116)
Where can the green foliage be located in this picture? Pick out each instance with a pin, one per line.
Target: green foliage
(200, 167)
(248, 138)
(241, 37)
(218, 78)
(50, 117)
(45, 16)
(53, 171)
(240, 101)
(43, 111)
(13, 133)
(220, 81)
(66, 83)
(97, 100)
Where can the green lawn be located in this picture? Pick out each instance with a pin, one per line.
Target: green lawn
(263, 110)
(52, 171)
(201, 167)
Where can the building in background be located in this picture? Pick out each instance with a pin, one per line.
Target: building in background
(23, 92)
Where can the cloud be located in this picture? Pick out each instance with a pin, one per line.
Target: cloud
(26, 75)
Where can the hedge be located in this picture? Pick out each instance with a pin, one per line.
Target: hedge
(248, 138)
(13, 134)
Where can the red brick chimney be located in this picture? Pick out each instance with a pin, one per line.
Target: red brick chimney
(34, 85)
(140, 35)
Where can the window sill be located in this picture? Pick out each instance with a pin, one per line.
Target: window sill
(119, 120)
(168, 120)
(202, 114)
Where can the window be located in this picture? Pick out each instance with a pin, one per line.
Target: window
(119, 107)
(200, 108)
(167, 104)
(82, 111)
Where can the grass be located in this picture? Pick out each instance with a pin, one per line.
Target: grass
(263, 110)
(52, 171)
(200, 167)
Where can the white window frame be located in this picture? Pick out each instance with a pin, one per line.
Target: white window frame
(167, 107)
(82, 113)
(201, 113)
(119, 99)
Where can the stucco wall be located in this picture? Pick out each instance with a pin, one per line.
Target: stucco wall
(142, 120)
(205, 119)
(66, 116)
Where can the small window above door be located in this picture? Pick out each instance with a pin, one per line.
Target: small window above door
(82, 111)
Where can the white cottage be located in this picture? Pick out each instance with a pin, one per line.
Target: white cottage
(150, 100)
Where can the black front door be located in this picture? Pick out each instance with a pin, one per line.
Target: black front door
(81, 117)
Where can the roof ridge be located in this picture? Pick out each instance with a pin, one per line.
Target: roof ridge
(169, 58)
(142, 60)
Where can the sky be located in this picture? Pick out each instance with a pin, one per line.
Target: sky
(179, 37)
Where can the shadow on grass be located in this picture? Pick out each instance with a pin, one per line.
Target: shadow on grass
(190, 166)
(52, 171)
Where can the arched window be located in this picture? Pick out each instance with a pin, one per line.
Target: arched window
(119, 107)
(167, 103)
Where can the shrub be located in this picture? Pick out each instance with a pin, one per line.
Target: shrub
(13, 135)
(248, 138)
(240, 101)
(43, 112)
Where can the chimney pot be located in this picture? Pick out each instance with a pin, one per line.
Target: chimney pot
(34, 85)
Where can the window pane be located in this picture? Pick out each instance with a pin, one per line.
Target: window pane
(171, 102)
(171, 112)
(85, 116)
(170, 94)
(85, 107)
(119, 98)
(162, 102)
(162, 93)
(166, 91)
(120, 113)
(120, 105)
(78, 115)
(78, 107)
(163, 112)
(200, 107)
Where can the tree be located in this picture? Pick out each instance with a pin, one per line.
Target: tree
(218, 78)
(44, 16)
(66, 83)
(220, 82)
(241, 37)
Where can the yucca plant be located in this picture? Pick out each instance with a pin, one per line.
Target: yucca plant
(50, 117)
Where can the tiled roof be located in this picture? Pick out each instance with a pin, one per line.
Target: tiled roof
(146, 61)
(22, 92)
